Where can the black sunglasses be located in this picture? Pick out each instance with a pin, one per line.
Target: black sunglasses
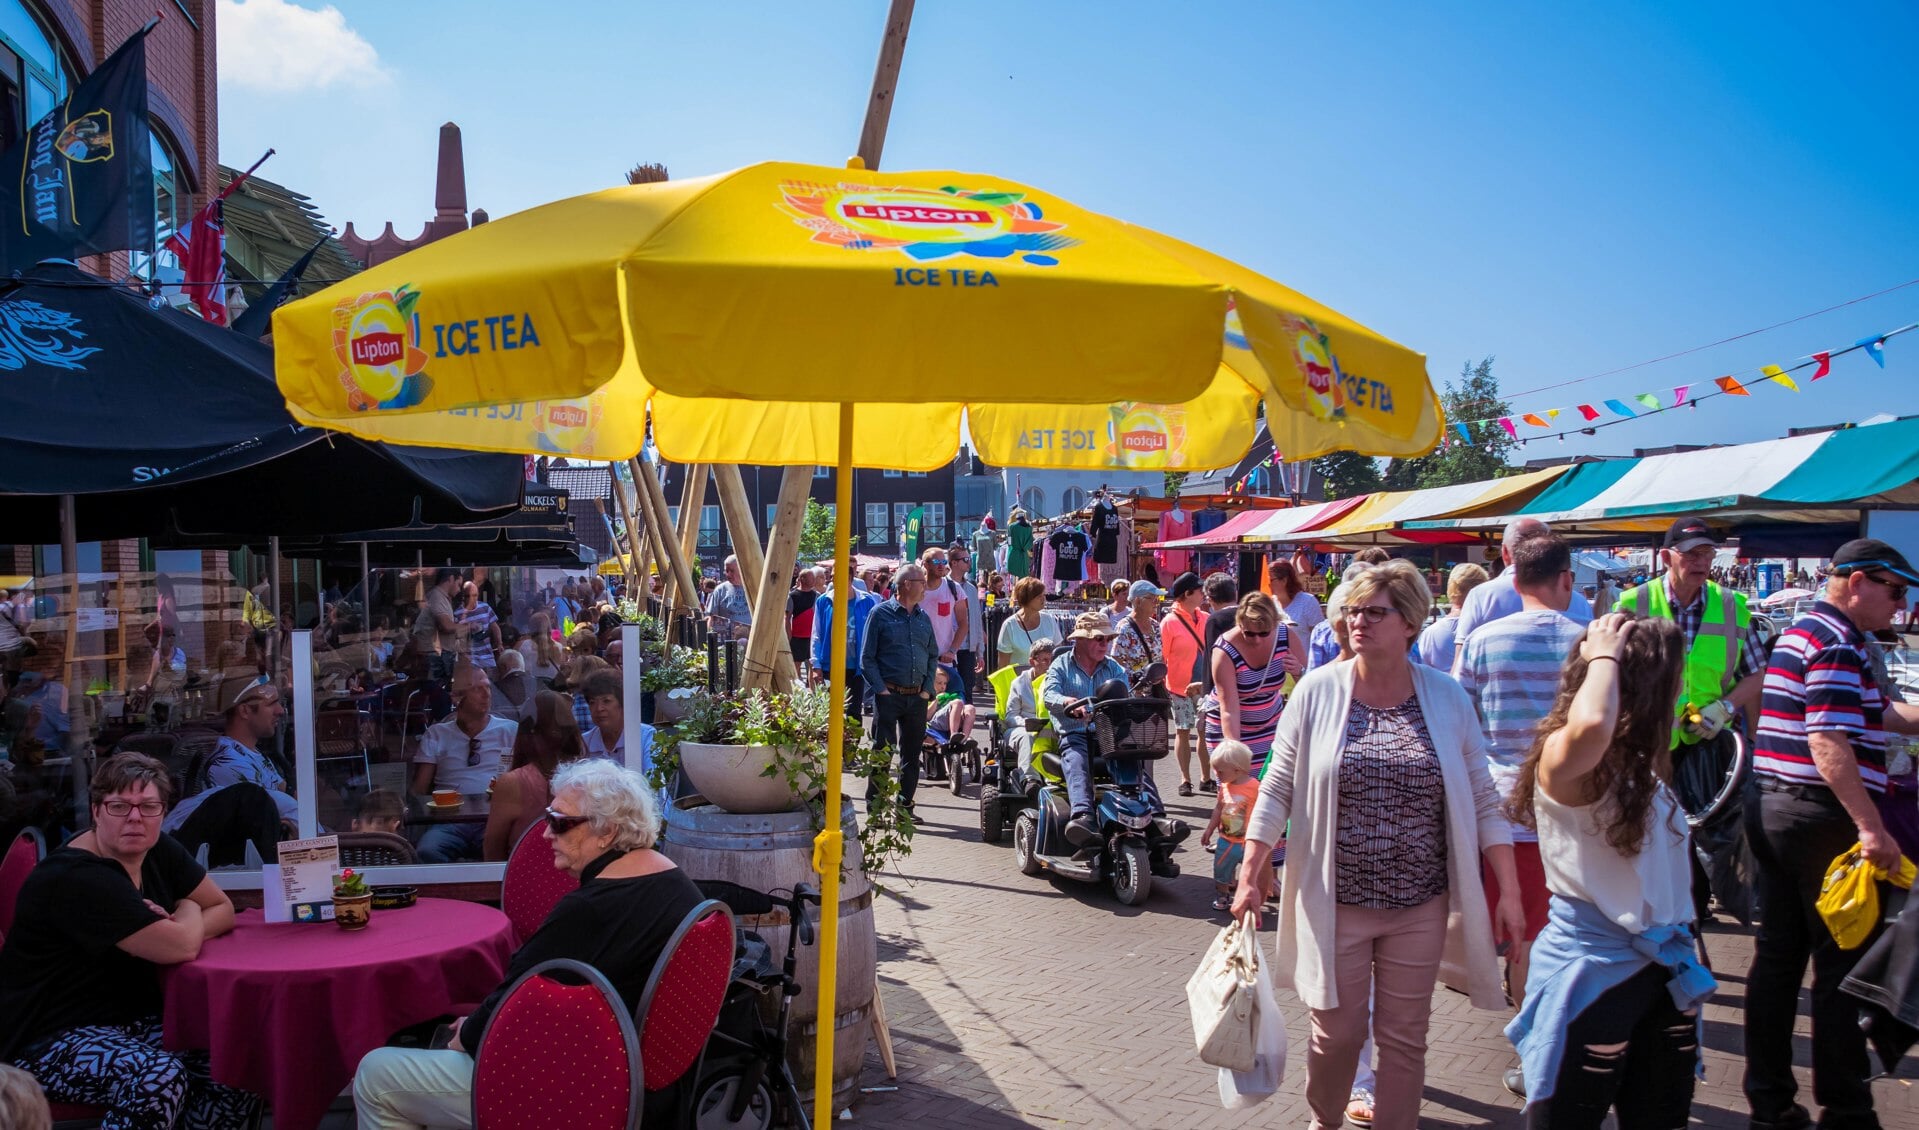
(472, 752)
(1897, 589)
(559, 823)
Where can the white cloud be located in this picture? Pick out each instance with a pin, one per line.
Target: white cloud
(278, 47)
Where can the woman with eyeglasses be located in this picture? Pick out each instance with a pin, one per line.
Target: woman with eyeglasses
(80, 985)
(1250, 663)
(1380, 765)
(547, 741)
(602, 823)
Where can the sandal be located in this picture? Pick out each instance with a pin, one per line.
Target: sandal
(1359, 1109)
(1185, 788)
(1225, 902)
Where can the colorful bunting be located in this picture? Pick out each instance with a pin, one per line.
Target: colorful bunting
(1463, 433)
(1679, 395)
(1507, 423)
(1535, 420)
(1825, 364)
(1731, 387)
(1650, 400)
(1875, 349)
(1589, 412)
(1778, 376)
(1619, 408)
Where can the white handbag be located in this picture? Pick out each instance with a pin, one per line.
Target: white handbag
(1223, 997)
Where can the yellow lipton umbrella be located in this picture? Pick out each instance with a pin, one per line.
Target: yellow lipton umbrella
(795, 314)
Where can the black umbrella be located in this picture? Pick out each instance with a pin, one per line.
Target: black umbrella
(159, 423)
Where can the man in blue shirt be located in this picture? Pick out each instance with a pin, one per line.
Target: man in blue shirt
(1499, 597)
(862, 605)
(898, 658)
(1077, 674)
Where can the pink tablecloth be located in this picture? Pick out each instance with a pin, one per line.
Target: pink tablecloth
(287, 1011)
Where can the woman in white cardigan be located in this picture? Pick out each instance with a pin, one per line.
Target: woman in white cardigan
(1380, 765)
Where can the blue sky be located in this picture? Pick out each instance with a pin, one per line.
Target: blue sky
(1571, 188)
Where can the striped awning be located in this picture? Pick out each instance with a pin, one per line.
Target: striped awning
(1285, 525)
(1384, 518)
(1227, 531)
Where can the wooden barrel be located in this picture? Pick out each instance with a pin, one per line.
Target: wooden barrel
(773, 852)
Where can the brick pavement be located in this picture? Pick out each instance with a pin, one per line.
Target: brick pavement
(1038, 1001)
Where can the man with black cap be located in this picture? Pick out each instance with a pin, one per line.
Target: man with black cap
(1819, 765)
(1724, 656)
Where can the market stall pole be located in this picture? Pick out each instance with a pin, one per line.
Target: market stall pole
(629, 559)
(676, 574)
(773, 671)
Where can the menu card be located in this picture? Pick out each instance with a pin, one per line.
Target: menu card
(300, 887)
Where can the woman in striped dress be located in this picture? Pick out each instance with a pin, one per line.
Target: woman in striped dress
(1250, 665)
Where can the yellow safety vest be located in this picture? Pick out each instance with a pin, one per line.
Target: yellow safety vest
(1713, 653)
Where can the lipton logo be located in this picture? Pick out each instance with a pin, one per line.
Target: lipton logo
(378, 349)
(1142, 441)
(567, 415)
(925, 223)
(1318, 369)
(376, 339)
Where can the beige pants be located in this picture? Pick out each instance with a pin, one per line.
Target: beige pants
(406, 1088)
(1393, 955)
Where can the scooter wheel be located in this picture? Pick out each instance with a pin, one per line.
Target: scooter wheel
(992, 822)
(956, 773)
(1026, 842)
(1132, 878)
(716, 1097)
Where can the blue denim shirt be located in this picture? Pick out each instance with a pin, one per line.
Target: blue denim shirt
(1067, 682)
(899, 649)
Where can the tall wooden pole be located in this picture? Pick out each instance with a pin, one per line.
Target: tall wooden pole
(678, 574)
(692, 496)
(828, 846)
(770, 672)
(766, 643)
(631, 559)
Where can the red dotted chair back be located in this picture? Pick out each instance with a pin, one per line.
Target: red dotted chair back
(559, 1054)
(22, 855)
(683, 997)
(532, 885)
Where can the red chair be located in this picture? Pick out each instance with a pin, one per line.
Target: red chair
(26, 850)
(683, 996)
(532, 885)
(520, 1083)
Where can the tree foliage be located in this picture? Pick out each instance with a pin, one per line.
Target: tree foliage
(1475, 397)
(816, 531)
(1348, 473)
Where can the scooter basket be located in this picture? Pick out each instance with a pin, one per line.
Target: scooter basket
(1131, 727)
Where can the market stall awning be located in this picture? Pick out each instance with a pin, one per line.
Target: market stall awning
(1227, 531)
(1820, 478)
(1282, 527)
(1383, 518)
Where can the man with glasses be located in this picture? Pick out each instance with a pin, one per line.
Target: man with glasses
(242, 797)
(463, 754)
(898, 658)
(1723, 652)
(1077, 674)
(1510, 669)
(945, 606)
(1820, 767)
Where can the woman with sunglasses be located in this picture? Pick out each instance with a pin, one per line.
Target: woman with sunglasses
(602, 823)
(1380, 765)
(548, 740)
(1250, 663)
(80, 985)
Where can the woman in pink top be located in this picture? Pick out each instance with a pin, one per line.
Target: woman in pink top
(521, 794)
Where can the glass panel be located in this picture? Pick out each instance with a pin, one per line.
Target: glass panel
(1072, 500)
(23, 33)
(1033, 499)
(892, 474)
(878, 529)
(771, 510)
(40, 100)
(166, 213)
(711, 536)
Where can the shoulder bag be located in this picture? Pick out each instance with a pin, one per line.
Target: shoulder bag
(1222, 996)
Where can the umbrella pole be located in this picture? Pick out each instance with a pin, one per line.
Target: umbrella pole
(70, 565)
(827, 847)
(273, 594)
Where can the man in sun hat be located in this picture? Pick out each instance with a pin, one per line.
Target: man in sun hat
(1077, 674)
(1820, 767)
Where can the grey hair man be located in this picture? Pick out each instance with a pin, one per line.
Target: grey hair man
(1499, 598)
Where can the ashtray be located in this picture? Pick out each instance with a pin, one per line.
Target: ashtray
(394, 898)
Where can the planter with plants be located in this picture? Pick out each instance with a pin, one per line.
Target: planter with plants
(669, 679)
(352, 900)
(763, 752)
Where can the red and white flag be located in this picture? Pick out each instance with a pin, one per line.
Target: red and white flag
(201, 248)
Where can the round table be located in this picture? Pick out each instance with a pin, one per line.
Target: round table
(288, 1010)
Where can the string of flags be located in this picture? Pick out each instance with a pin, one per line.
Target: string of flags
(1585, 417)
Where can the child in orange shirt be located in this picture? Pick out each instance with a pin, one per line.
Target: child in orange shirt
(1232, 807)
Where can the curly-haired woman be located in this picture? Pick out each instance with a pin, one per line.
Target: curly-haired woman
(1611, 1017)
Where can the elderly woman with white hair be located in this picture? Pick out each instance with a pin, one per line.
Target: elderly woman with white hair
(602, 823)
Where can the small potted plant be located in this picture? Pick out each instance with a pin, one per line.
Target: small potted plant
(352, 900)
(669, 681)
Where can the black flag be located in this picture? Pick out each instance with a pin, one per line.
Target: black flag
(81, 181)
(254, 320)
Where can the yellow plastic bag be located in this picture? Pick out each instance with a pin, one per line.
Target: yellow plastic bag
(1849, 898)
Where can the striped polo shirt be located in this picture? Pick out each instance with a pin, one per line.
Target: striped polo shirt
(1510, 668)
(1818, 681)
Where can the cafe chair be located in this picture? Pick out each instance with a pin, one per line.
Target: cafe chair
(376, 849)
(682, 1000)
(532, 885)
(27, 849)
(520, 1083)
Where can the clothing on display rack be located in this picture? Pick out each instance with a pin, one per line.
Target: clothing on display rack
(1104, 529)
(1126, 543)
(1174, 524)
(1019, 548)
(1069, 546)
(1210, 561)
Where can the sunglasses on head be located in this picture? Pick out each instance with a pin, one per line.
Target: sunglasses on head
(559, 823)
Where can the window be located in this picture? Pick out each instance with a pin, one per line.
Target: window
(772, 510)
(1072, 500)
(890, 474)
(710, 535)
(1034, 501)
(878, 529)
(31, 64)
(167, 199)
(933, 531)
(916, 474)
(822, 472)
